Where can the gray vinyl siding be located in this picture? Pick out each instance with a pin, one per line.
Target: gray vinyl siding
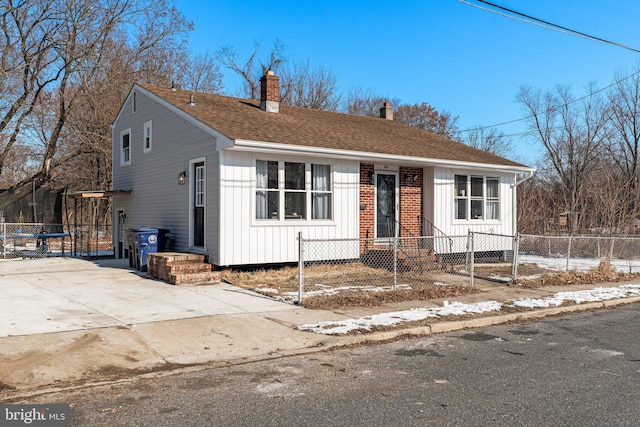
(157, 200)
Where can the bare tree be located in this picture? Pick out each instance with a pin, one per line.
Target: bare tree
(489, 140)
(363, 102)
(199, 73)
(623, 140)
(52, 51)
(252, 68)
(424, 116)
(572, 133)
(304, 86)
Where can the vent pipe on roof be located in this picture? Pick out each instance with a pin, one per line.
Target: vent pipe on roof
(270, 92)
(386, 112)
(191, 101)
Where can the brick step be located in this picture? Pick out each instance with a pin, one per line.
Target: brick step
(195, 278)
(177, 258)
(189, 267)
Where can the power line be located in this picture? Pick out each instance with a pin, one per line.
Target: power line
(541, 23)
(549, 25)
(591, 93)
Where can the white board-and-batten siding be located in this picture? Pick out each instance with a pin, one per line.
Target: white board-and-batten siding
(245, 240)
(157, 200)
(443, 207)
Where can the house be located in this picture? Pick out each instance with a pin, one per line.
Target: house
(238, 179)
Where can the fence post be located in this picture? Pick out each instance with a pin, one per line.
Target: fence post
(613, 241)
(516, 249)
(395, 262)
(568, 253)
(4, 239)
(300, 267)
(472, 256)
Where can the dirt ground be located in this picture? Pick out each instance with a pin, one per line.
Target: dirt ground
(356, 285)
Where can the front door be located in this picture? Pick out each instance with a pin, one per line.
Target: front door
(123, 247)
(198, 204)
(386, 205)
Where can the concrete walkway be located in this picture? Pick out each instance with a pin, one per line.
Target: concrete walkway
(67, 321)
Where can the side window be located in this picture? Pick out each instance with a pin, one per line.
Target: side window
(321, 192)
(295, 197)
(267, 193)
(460, 196)
(147, 137)
(125, 147)
(493, 198)
(476, 197)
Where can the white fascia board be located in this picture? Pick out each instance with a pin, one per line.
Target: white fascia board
(222, 141)
(270, 147)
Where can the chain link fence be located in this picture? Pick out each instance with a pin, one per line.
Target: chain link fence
(576, 253)
(24, 241)
(329, 266)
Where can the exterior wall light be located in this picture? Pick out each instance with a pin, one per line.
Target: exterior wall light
(182, 178)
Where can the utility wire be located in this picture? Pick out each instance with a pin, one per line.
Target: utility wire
(544, 24)
(563, 105)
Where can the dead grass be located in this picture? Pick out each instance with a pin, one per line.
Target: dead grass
(373, 299)
(603, 273)
(363, 286)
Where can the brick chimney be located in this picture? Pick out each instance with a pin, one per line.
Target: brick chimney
(386, 112)
(270, 92)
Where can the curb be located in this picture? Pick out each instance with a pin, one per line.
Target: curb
(456, 325)
(337, 342)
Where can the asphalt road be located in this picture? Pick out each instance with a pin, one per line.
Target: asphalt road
(581, 369)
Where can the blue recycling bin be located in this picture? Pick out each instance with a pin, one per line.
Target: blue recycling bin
(147, 240)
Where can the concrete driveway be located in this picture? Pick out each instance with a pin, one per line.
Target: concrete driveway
(67, 294)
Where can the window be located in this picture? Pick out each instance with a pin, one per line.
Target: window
(125, 147)
(199, 186)
(267, 193)
(320, 192)
(283, 191)
(476, 197)
(134, 102)
(493, 200)
(146, 142)
(295, 200)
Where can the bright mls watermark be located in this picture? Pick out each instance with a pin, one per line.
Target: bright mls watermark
(55, 415)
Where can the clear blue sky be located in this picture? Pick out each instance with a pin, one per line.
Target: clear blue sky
(454, 56)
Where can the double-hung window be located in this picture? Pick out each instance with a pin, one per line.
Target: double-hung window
(147, 135)
(293, 191)
(125, 147)
(267, 192)
(476, 197)
(320, 192)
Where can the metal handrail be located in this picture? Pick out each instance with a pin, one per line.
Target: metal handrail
(436, 232)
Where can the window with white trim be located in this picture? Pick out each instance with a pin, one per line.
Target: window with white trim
(476, 197)
(285, 190)
(199, 186)
(147, 135)
(125, 147)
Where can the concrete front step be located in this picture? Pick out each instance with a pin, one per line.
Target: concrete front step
(181, 269)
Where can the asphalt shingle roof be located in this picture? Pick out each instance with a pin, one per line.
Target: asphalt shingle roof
(242, 119)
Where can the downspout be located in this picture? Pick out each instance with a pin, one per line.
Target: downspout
(514, 198)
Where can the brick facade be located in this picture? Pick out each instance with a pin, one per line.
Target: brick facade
(411, 201)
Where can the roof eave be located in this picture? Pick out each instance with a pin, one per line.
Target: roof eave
(271, 147)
